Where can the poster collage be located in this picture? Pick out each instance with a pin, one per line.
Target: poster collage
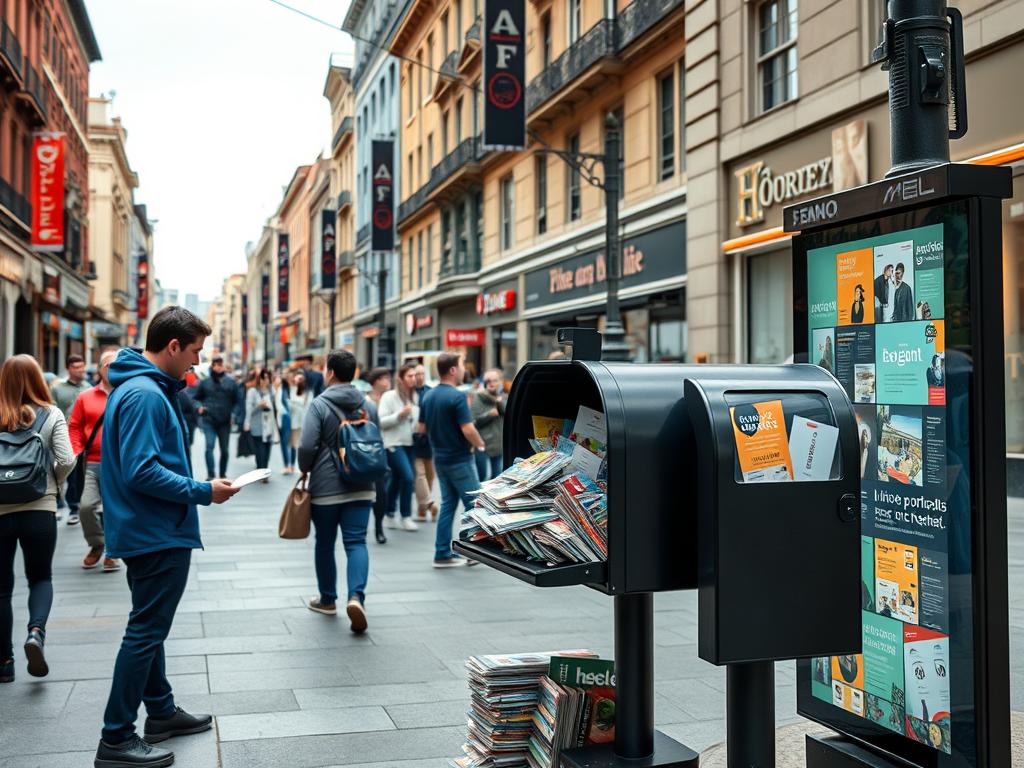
(875, 320)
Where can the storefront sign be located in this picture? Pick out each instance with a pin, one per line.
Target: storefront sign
(282, 272)
(265, 299)
(464, 337)
(47, 192)
(504, 74)
(492, 303)
(383, 210)
(646, 258)
(417, 321)
(759, 188)
(328, 252)
(142, 289)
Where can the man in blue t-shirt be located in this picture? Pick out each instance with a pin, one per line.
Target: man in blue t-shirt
(446, 418)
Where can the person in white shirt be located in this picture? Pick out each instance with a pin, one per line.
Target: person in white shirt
(399, 411)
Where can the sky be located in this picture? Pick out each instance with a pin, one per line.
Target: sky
(221, 100)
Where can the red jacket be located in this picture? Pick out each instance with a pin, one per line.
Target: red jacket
(88, 410)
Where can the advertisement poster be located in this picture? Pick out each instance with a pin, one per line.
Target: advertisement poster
(382, 210)
(46, 191)
(875, 309)
(505, 74)
(761, 443)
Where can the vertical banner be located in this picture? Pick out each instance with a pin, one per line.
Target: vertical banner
(245, 328)
(265, 299)
(47, 192)
(282, 272)
(383, 210)
(142, 287)
(328, 251)
(504, 74)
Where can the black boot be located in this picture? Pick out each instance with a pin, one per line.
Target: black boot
(379, 531)
(7, 671)
(181, 723)
(134, 753)
(37, 666)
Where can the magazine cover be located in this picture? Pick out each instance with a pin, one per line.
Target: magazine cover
(596, 677)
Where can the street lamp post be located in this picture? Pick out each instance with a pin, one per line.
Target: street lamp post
(265, 309)
(382, 299)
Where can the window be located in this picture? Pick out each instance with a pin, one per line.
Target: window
(545, 40)
(408, 84)
(430, 253)
(458, 23)
(445, 49)
(444, 133)
(419, 260)
(575, 14)
(508, 195)
(573, 180)
(877, 14)
(412, 180)
(682, 115)
(769, 332)
(419, 165)
(430, 64)
(666, 127)
(419, 77)
(458, 122)
(541, 174)
(776, 49)
(430, 153)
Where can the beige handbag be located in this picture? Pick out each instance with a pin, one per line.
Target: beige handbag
(296, 515)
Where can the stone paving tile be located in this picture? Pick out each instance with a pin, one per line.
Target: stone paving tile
(306, 722)
(431, 714)
(276, 679)
(237, 703)
(382, 695)
(29, 702)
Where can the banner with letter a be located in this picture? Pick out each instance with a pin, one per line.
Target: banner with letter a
(504, 74)
(382, 211)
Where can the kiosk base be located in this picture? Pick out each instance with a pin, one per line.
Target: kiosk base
(668, 753)
(837, 752)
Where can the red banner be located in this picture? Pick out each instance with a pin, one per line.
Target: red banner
(464, 337)
(47, 192)
(142, 290)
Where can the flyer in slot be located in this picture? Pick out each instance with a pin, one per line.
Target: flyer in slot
(767, 453)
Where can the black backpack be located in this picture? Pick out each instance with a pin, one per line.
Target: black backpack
(25, 463)
(361, 457)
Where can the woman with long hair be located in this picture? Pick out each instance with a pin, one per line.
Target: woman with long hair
(25, 404)
(299, 398)
(399, 411)
(379, 380)
(282, 388)
(260, 420)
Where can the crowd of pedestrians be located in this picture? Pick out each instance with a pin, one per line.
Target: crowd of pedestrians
(115, 451)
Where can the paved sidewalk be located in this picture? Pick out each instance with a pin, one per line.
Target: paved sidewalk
(293, 688)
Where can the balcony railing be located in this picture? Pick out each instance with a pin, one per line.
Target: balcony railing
(449, 67)
(639, 16)
(363, 233)
(121, 297)
(467, 152)
(344, 127)
(344, 199)
(34, 89)
(597, 44)
(464, 263)
(10, 47)
(16, 203)
(412, 204)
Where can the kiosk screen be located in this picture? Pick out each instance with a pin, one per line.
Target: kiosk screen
(886, 313)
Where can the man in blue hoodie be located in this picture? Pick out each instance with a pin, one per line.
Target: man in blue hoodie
(151, 523)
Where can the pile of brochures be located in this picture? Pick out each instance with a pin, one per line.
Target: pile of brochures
(553, 506)
(505, 691)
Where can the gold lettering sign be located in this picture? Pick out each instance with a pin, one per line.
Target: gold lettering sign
(750, 210)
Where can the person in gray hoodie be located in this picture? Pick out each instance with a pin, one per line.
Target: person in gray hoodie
(335, 503)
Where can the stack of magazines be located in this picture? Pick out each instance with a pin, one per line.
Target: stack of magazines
(553, 506)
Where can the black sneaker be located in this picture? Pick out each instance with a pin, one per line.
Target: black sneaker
(181, 723)
(7, 671)
(131, 754)
(37, 666)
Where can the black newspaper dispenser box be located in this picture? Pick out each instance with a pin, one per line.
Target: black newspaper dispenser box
(779, 515)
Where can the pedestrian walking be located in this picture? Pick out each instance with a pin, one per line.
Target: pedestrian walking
(314, 379)
(217, 397)
(424, 461)
(446, 418)
(243, 383)
(189, 406)
(285, 426)
(260, 419)
(65, 391)
(379, 381)
(85, 429)
(32, 432)
(399, 412)
(335, 503)
(299, 398)
(151, 523)
(488, 409)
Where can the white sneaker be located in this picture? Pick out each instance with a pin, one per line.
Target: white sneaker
(408, 525)
(72, 519)
(390, 522)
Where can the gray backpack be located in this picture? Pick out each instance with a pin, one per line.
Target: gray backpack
(25, 463)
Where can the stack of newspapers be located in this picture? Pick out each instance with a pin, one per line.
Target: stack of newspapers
(505, 691)
(551, 507)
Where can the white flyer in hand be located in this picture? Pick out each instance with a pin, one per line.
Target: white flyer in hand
(812, 449)
(250, 477)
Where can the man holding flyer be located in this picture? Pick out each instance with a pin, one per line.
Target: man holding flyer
(151, 523)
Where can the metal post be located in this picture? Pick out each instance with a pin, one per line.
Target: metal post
(615, 348)
(382, 299)
(750, 715)
(634, 675)
(331, 297)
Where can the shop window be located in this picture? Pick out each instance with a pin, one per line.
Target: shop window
(682, 116)
(769, 299)
(505, 359)
(666, 126)
(776, 52)
(508, 193)
(541, 174)
(1013, 315)
(573, 180)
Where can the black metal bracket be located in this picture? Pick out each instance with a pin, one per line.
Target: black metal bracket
(585, 163)
(584, 342)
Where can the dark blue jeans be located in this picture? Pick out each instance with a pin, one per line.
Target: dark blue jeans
(157, 581)
(220, 434)
(36, 532)
(457, 482)
(287, 454)
(352, 517)
(403, 478)
(488, 467)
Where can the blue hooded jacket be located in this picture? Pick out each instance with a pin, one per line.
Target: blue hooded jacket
(149, 496)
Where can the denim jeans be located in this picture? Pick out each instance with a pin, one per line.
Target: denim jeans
(36, 532)
(157, 581)
(352, 517)
(219, 433)
(287, 454)
(400, 460)
(488, 467)
(262, 451)
(457, 482)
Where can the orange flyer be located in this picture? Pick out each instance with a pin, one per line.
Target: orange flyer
(761, 443)
(855, 291)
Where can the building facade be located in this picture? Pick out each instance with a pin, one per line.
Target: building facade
(260, 280)
(46, 47)
(142, 286)
(499, 249)
(375, 80)
(293, 233)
